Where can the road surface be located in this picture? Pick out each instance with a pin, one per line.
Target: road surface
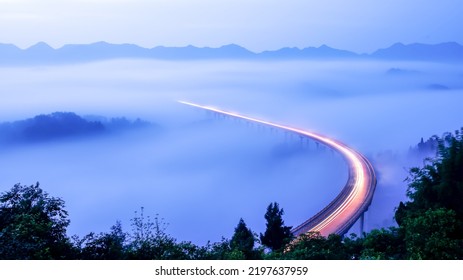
(354, 199)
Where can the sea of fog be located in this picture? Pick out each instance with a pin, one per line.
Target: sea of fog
(200, 173)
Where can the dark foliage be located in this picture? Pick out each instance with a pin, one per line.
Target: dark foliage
(432, 221)
(276, 235)
(32, 225)
(242, 242)
(439, 184)
(313, 246)
(383, 244)
(103, 246)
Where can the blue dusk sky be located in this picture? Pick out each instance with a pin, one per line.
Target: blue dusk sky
(356, 25)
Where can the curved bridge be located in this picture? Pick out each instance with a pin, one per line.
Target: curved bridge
(354, 199)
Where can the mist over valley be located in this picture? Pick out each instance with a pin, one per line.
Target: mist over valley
(201, 173)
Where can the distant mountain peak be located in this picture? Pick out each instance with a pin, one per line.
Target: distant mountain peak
(101, 43)
(398, 44)
(449, 52)
(40, 46)
(232, 46)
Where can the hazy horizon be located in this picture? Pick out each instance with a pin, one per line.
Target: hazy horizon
(361, 26)
(57, 47)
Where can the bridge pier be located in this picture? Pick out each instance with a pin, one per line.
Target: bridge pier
(362, 224)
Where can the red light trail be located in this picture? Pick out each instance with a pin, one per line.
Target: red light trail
(354, 199)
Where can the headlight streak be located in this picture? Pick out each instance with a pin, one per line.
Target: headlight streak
(361, 172)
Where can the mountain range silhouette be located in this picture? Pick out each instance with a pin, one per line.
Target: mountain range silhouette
(41, 53)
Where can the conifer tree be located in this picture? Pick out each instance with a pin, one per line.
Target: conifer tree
(243, 240)
(276, 234)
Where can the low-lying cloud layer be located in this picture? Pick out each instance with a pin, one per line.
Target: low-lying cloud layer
(201, 173)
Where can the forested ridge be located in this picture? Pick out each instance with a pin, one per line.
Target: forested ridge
(430, 226)
(62, 125)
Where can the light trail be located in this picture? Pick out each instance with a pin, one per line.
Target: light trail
(354, 199)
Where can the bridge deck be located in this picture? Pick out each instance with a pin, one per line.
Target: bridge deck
(354, 199)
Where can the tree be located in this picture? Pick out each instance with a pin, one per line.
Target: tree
(104, 246)
(439, 184)
(353, 246)
(383, 244)
(219, 250)
(432, 235)
(432, 221)
(243, 241)
(314, 246)
(276, 234)
(32, 224)
(149, 241)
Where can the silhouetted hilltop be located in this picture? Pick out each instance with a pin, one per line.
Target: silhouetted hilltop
(100, 50)
(9, 54)
(192, 52)
(429, 148)
(61, 125)
(401, 72)
(437, 87)
(315, 53)
(73, 53)
(447, 52)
